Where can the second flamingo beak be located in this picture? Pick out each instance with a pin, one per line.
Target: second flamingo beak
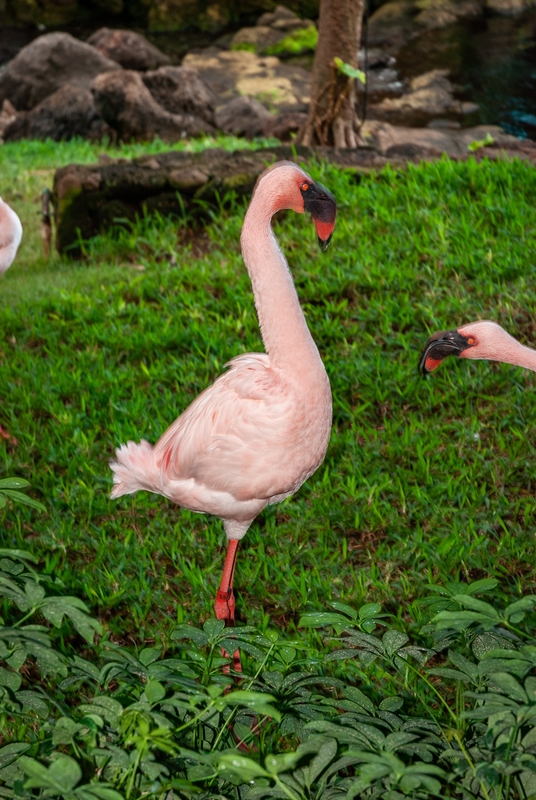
(439, 346)
(321, 205)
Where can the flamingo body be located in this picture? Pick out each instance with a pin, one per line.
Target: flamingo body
(10, 235)
(262, 428)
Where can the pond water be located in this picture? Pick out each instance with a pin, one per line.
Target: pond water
(493, 60)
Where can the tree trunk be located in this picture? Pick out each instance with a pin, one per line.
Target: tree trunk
(332, 118)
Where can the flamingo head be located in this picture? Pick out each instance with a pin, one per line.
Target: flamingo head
(291, 187)
(479, 340)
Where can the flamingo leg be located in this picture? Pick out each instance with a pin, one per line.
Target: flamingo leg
(224, 607)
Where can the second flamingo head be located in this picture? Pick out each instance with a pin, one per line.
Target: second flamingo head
(477, 340)
(286, 185)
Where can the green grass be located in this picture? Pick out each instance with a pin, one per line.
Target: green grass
(424, 481)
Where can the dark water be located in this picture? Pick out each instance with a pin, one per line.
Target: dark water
(492, 60)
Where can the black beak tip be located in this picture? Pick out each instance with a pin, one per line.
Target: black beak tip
(324, 243)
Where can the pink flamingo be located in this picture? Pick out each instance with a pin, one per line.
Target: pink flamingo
(255, 435)
(10, 236)
(478, 340)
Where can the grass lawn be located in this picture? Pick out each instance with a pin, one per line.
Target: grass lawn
(424, 481)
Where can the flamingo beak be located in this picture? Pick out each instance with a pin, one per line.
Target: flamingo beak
(439, 346)
(321, 204)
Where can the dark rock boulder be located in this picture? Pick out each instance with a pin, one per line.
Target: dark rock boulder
(180, 90)
(244, 116)
(48, 63)
(126, 104)
(68, 112)
(7, 115)
(130, 49)
(285, 125)
(430, 95)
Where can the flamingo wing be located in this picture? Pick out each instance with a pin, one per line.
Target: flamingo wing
(239, 435)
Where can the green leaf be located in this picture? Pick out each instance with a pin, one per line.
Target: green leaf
(32, 701)
(321, 619)
(345, 609)
(280, 763)
(34, 592)
(519, 608)
(10, 679)
(393, 641)
(530, 688)
(325, 755)
(189, 632)
(508, 684)
(369, 610)
(154, 692)
(256, 701)
(391, 704)
(62, 775)
(149, 655)
(23, 499)
(245, 768)
(214, 627)
(357, 696)
(463, 664)
(55, 608)
(474, 604)
(450, 674)
(10, 752)
(13, 483)
(23, 555)
(479, 143)
(347, 69)
(478, 587)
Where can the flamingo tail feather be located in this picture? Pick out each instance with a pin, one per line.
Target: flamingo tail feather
(134, 469)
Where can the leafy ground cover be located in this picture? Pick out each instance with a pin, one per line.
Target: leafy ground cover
(166, 722)
(425, 483)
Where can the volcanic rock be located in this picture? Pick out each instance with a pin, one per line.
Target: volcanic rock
(126, 104)
(128, 48)
(48, 63)
(180, 90)
(68, 112)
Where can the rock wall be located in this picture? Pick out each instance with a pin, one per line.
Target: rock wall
(211, 16)
(90, 198)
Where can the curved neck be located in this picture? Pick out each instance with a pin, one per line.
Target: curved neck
(285, 334)
(519, 355)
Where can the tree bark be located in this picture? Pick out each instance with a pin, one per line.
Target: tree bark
(332, 118)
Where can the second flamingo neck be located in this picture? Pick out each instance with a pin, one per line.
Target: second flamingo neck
(512, 352)
(285, 334)
(507, 352)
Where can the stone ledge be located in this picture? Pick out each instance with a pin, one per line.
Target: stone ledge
(90, 198)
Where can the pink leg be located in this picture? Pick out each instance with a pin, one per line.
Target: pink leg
(224, 607)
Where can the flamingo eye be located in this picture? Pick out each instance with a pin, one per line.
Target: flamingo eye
(470, 340)
(304, 186)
